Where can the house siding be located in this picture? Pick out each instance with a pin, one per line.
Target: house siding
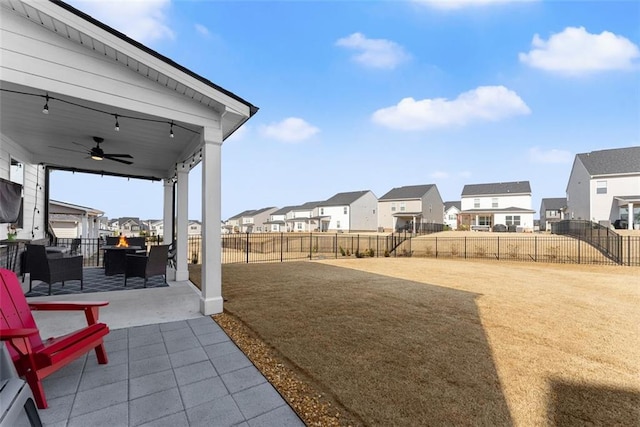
(364, 213)
(578, 188)
(603, 206)
(432, 206)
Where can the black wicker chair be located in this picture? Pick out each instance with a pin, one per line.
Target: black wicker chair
(146, 266)
(52, 268)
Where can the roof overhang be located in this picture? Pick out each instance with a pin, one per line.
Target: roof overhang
(91, 76)
(625, 200)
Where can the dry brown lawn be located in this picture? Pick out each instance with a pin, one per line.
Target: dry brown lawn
(408, 341)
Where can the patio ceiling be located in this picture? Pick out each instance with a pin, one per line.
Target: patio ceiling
(112, 75)
(49, 137)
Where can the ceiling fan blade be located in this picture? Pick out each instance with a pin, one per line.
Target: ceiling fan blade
(126, 162)
(119, 155)
(83, 146)
(68, 149)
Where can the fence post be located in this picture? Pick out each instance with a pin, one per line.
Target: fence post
(578, 249)
(247, 247)
(498, 255)
(535, 248)
(281, 248)
(310, 245)
(335, 244)
(465, 247)
(436, 247)
(377, 246)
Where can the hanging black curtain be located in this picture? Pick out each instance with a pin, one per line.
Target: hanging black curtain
(10, 198)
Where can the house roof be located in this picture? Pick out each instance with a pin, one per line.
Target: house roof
(306, 207)
(283, 211)
(407, 192)
(555, 202)
(516, 187)
(259, 211)
(613, 161)
(243, 214)
(453, 203)
(252, 108)
(74, 206)
(344, 199)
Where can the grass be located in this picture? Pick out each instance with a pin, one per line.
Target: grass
(411, 341)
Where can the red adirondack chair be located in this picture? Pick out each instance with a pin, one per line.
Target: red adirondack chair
(36, 359)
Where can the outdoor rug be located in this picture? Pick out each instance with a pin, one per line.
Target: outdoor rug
(94, 281)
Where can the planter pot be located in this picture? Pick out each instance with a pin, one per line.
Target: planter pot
(11, 237)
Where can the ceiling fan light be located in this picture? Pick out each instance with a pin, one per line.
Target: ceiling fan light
(96, 157)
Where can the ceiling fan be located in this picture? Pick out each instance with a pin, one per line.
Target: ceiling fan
(97, 153)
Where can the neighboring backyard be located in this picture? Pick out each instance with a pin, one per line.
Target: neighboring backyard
(415, 341)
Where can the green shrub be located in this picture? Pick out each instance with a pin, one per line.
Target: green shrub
(342, 251)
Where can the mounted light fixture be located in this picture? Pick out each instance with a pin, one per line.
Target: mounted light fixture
(171, 130)
(117, 128)
(45, 109)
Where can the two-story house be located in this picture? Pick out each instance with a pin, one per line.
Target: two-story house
(276, 222)
(551, 210)
(235, 223)
(451, 211)
(303, 218)
(507, 203)
(604, 186)
(406, 208)
(349, 212)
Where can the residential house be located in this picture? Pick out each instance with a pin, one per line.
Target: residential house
(128, 226)
(551, 210)
(68, 220)
(235, 223)
(406, 208)
(507, 203)
(276, 222)
(451, 211)
(604, 186)
(303, 218)
(349, 212)
(100, 78)
(195, 228)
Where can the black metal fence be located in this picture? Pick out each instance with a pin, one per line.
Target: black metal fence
(602, 238)
(271, 247)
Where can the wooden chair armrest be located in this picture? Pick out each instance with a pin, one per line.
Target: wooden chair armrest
(66, 305)
(7, 334)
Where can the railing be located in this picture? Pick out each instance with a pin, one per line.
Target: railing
(602, 238)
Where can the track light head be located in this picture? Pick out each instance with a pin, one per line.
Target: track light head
(45, 109)
(171, 130)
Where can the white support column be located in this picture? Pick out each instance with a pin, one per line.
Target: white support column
(84, 228)
(167, 221)
(630, 220)
(414, 225)
(211, 295)
(182, 222)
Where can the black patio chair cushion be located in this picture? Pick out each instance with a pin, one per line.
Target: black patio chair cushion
(146, 266)
(53, 268)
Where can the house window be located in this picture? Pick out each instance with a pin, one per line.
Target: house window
(299, 224)
(321, 211)
(494, 202)
(337, 224)
(344, 211)
(601, 187)
(402, 207)
(476, 203)
(393, 207)
(374, 211)
(512, 219)
(484, 220)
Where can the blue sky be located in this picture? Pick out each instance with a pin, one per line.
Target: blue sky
(371, 95)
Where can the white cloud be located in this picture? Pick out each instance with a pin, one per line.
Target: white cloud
(143, 20)
(576, 51)
(202, 30)
(292, 129)
(536, 155)
(374, 53)
(485, 103)
(464, 174)
(459, 4)
(439, 175)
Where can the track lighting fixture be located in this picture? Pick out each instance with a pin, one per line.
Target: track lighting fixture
(117, 128)
(45, 109)
(171, 130)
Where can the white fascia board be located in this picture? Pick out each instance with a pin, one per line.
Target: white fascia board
(137, 54)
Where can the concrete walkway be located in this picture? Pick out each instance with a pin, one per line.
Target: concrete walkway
(168, 366)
